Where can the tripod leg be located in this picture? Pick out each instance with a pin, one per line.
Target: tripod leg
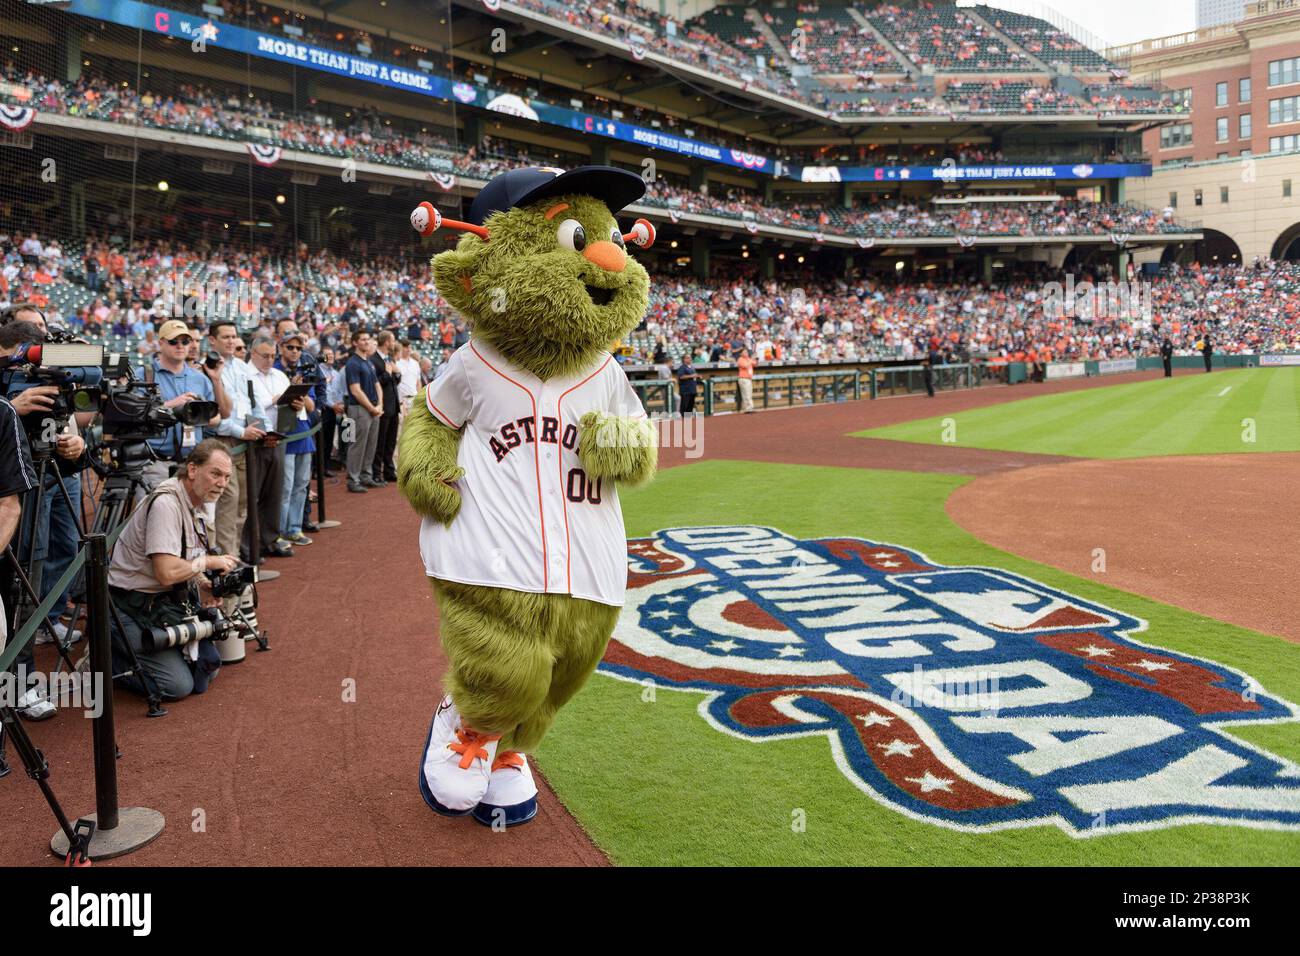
(37, 768)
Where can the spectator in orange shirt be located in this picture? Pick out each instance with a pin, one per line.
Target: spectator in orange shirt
(745, 382)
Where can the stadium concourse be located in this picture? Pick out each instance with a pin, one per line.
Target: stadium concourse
(282, 763)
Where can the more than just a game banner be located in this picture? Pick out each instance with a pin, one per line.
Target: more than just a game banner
(1066, 370)
(1266, 361)
(958, 174)
(287, 49)
(1111, 366)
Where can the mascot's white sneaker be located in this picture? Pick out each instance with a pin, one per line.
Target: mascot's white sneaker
(511, 796)
(457, 763)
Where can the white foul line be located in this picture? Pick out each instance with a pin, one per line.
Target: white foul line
(1225, 391)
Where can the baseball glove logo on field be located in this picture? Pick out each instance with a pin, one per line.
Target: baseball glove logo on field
(968, 697)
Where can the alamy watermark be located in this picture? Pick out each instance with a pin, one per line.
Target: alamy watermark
(79, 690)
(1097, 300)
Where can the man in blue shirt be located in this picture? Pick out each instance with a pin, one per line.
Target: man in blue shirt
(298, 452)
(178, 384)
(364, 407)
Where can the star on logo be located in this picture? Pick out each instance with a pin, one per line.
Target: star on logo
(891, 564)
(709, 588)
(930, 782)
(726, 646)
(208, 31)
(1147, 665)
(678, 631)
(661, 614)
(1092, 650)
(896, 747)
(674, 599)
(875, 717)
(883, 554)
(790, 651)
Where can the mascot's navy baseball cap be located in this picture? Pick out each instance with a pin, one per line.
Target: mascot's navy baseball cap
(615, 187)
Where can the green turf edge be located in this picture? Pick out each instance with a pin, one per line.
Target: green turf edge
(1184, 415)
(654, 785)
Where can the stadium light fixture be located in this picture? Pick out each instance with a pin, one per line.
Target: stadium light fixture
(801, 259)
(781, 256)
(163, 186)
(279, 198)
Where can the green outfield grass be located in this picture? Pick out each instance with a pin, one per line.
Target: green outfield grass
(654, 784)
(1185, 415)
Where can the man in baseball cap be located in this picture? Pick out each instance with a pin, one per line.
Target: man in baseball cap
(298, 452)
(178, 384)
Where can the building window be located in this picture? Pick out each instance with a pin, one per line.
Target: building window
(1281, 72)
(1199, 198)
(1221, 129)
(1282, 144)
(1220, 155)
(1180, 134)
(1245, 152)
(1181, 98)
(1221, 94)
(1286, 189)
(1283, 110)
(1173, 200)
(1223, 194)
(1243, 126)
(1243, 90)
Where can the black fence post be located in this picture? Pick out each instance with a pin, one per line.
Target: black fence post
(321, 520)
(117, 831)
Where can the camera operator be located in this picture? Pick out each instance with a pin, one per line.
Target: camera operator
(179, 383)
(17, 478)
(156, 575)
(55, 537)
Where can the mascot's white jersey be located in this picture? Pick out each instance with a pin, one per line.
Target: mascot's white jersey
(530, 518)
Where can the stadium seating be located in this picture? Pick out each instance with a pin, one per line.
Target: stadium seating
(1045, 41)
(942, 36)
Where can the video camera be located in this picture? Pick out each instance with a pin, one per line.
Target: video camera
(232, 582)
(72, 367)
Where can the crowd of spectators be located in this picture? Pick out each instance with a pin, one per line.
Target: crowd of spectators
(724, 43)
(327, 297)
(1246, 309)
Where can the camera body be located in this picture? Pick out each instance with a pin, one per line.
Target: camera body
(232, 582)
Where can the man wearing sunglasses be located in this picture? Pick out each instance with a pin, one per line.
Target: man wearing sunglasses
(178, 384)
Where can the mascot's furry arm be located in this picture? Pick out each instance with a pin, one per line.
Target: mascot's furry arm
(426, 465)
(623, 449)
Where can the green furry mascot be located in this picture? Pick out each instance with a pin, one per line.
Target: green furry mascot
(513, 459)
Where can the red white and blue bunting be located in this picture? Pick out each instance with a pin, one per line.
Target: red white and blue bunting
(865, 242)
(265, 155)
(444, 181)
(965, 241)
(1120, 238)
(16, 118)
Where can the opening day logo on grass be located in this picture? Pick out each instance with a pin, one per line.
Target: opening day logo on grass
(968, 697)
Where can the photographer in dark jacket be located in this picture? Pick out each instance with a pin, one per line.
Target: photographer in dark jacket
(160, 557)
(384, 360)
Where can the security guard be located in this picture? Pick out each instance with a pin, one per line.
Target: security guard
(1207, 349)
(1167, 356)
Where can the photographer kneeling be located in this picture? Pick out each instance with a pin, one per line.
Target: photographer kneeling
(156, 576)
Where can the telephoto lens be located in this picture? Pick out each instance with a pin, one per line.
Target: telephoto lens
(175, 635)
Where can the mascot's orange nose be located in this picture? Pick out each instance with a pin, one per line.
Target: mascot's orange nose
(606, 255)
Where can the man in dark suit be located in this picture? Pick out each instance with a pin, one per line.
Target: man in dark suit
(1207, 349)
(383, 469)
(1167, 356)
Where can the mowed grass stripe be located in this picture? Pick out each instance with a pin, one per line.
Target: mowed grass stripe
(1186, 415)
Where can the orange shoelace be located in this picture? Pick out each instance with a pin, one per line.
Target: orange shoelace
(471, 746)
(508, 758)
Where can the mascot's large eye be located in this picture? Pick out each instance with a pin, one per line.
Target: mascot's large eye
(616, 237)
(572, 235)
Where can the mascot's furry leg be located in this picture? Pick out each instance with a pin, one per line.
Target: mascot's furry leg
(516, 659)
